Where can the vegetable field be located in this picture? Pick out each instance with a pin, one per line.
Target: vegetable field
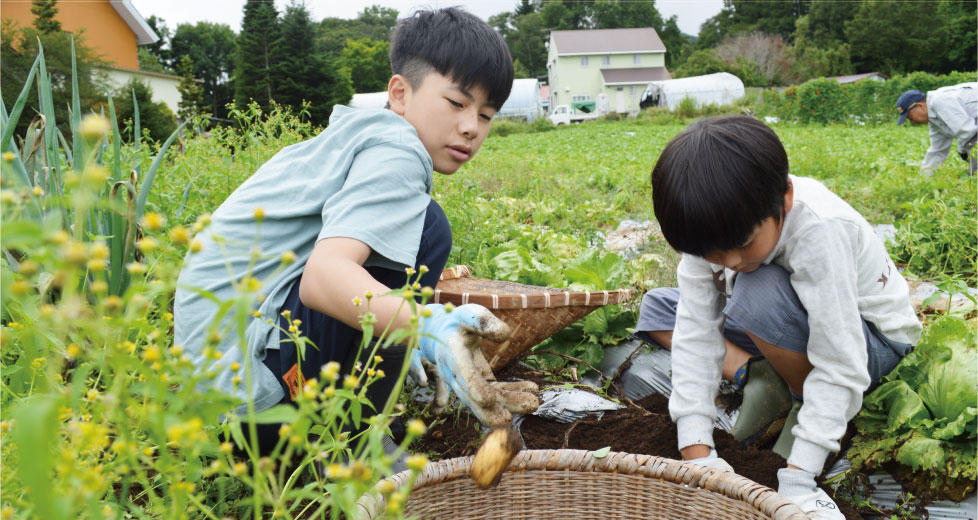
(104, 417)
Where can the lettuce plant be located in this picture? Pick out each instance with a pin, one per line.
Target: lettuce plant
(921, 423)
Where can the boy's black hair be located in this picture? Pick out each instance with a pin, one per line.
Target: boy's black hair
(456, 44)
(715, 182)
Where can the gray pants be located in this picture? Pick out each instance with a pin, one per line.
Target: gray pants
(765, 303)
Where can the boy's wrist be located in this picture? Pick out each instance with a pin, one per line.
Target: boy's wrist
(696, 451)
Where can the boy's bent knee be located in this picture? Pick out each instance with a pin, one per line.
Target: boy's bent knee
(765, 303)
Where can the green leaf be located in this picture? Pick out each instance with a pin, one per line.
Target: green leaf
(36, 434)
(282, 413)
(601, 453)
(901, 406)
(921, 452)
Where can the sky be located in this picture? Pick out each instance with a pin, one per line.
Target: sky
(690, 13)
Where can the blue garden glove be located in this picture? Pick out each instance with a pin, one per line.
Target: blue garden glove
(712, 461)
(799, 486)
(450, 339)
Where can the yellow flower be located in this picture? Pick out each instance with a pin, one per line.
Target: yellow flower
(381, 374)
(74, 253)
(427, 292)
(226, 448)
(9, 156)
(179, 235)
(176, 350)
(350, 381)
(288, 257)
(72, 351)
(38, 191)
(146, 244)
(92, 394)
(112, 303)
(151, 354)
(153, 221)
(236, 380)
(329, 392)
(28, 267)
(94, 126)
(423, 269)
(378, 359)
(20, 286)
(259, 214)
(371, 372)
(256, 314)
(356, 301)
(136, 268)
(95, 265)
(99, 286)
(148, 451)
(235, 366)
(417, 462)
(330, 371)
(410, 271)
(239, 468)
(196, 246)
(96, 174)
(449, 307)
(408, 294)
(416, 427)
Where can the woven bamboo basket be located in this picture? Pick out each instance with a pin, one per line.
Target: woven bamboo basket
(574, 484)
(533, 313)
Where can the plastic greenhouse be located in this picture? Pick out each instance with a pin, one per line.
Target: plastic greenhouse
(524, 101)
(721, 88)
(369, 100)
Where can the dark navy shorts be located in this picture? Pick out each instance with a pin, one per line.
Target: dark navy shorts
(765, 303)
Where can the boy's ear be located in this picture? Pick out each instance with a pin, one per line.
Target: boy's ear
(789, 196)
(398, 89)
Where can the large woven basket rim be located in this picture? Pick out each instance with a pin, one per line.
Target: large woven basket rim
(725, 483)
(538, 297)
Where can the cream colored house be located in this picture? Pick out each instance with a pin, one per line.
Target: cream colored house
(618, 63)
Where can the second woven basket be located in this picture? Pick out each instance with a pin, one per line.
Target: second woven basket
(533, 313)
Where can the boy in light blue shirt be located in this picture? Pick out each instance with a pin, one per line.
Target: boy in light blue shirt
(353, 206)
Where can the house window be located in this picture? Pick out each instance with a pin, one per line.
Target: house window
(637, 59)
(584, 61)
(606, 60)
(581, 97)
(632, 90)
(620, 89)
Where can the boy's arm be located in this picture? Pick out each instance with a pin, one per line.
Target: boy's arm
(824, 276)
(334, 275)
(698, 349)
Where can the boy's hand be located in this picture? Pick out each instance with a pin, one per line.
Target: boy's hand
(450, 339)
(799, 486)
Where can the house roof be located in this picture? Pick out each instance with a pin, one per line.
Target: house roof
(607, 41)
(144, 33)
(633, 76)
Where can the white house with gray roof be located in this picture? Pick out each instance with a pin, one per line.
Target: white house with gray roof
(619, 63)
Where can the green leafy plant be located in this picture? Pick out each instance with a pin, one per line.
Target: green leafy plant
(921, 422)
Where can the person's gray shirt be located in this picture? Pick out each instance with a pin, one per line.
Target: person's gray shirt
(367, 177)
(952, 113)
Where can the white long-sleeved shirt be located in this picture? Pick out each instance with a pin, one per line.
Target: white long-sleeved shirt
(952, 113)
(842, 274)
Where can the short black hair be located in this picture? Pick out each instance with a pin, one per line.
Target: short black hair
(456, 44)
(716, 181)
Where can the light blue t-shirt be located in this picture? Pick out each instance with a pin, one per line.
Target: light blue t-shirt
(367, 176)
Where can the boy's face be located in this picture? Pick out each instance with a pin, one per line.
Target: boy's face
(759, 244)
(451, 121)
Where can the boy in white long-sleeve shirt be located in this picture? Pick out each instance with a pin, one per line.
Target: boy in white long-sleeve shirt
(776, 266)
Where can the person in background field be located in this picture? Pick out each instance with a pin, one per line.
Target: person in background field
(950, 113)
(783, 288)
(351, 208)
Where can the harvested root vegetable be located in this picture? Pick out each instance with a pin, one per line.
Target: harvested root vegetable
(494, 456)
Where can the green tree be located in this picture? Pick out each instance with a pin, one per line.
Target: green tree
(149, 62)
(825, 24)
(374, 22)
(309, 75)
(44, 12)
(191, 92)
(743, 16)
(18, 49)
(212, 49)
(154, 117)
(895, 37)
(677, 44)
(369, 64)
(257, 60)
(959, 37)
(160, 48)
(616, 14)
